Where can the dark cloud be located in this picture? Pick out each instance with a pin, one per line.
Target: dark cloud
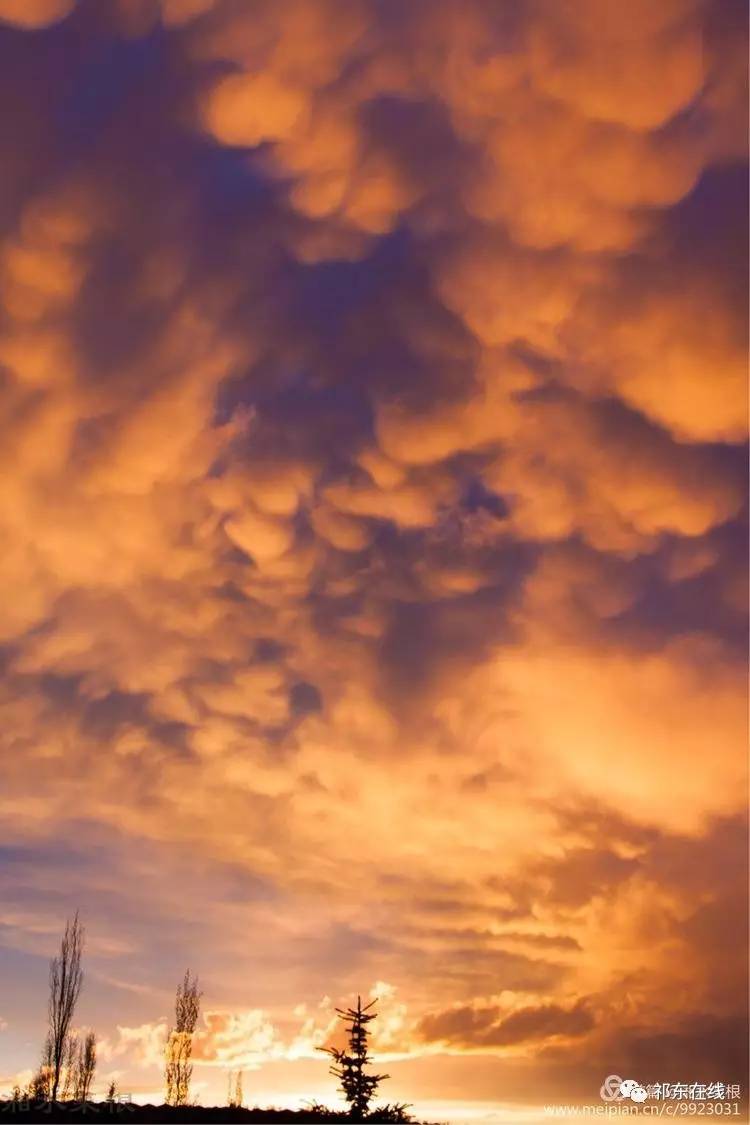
(486, 1027)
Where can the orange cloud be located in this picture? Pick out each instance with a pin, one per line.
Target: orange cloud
(31, 14)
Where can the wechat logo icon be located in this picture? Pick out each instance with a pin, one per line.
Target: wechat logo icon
(616, 1089)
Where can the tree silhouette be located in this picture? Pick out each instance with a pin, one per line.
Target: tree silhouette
(85, 1067)
(65, 980)
(40, 1086)
(179, 1068)
(349, 1065)
(235, 1096)
(70, 1065)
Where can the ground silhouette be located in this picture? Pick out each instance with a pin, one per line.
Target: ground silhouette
(123, 1112)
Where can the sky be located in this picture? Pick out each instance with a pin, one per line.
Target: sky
(372, 421)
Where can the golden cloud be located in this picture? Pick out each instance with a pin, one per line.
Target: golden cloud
(373, 399)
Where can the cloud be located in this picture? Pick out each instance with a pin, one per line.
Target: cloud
(237, 1040)
(372, 413)
(32, 14)
(486, 1027)
(597, 61)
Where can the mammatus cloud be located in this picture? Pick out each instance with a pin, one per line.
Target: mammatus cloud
(33, 14)
(373, 409)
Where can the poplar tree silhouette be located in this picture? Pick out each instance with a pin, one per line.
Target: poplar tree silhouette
(235, 1097)
(70, 1064)
(65, 979)
(357, 1086)
(85, 1067)
(179, 1068)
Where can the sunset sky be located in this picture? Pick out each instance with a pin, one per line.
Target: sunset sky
(372, 506)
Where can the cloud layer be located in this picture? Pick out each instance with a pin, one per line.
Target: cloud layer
(373, 422)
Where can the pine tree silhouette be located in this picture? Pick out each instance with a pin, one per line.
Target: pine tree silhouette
(349, 1065)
